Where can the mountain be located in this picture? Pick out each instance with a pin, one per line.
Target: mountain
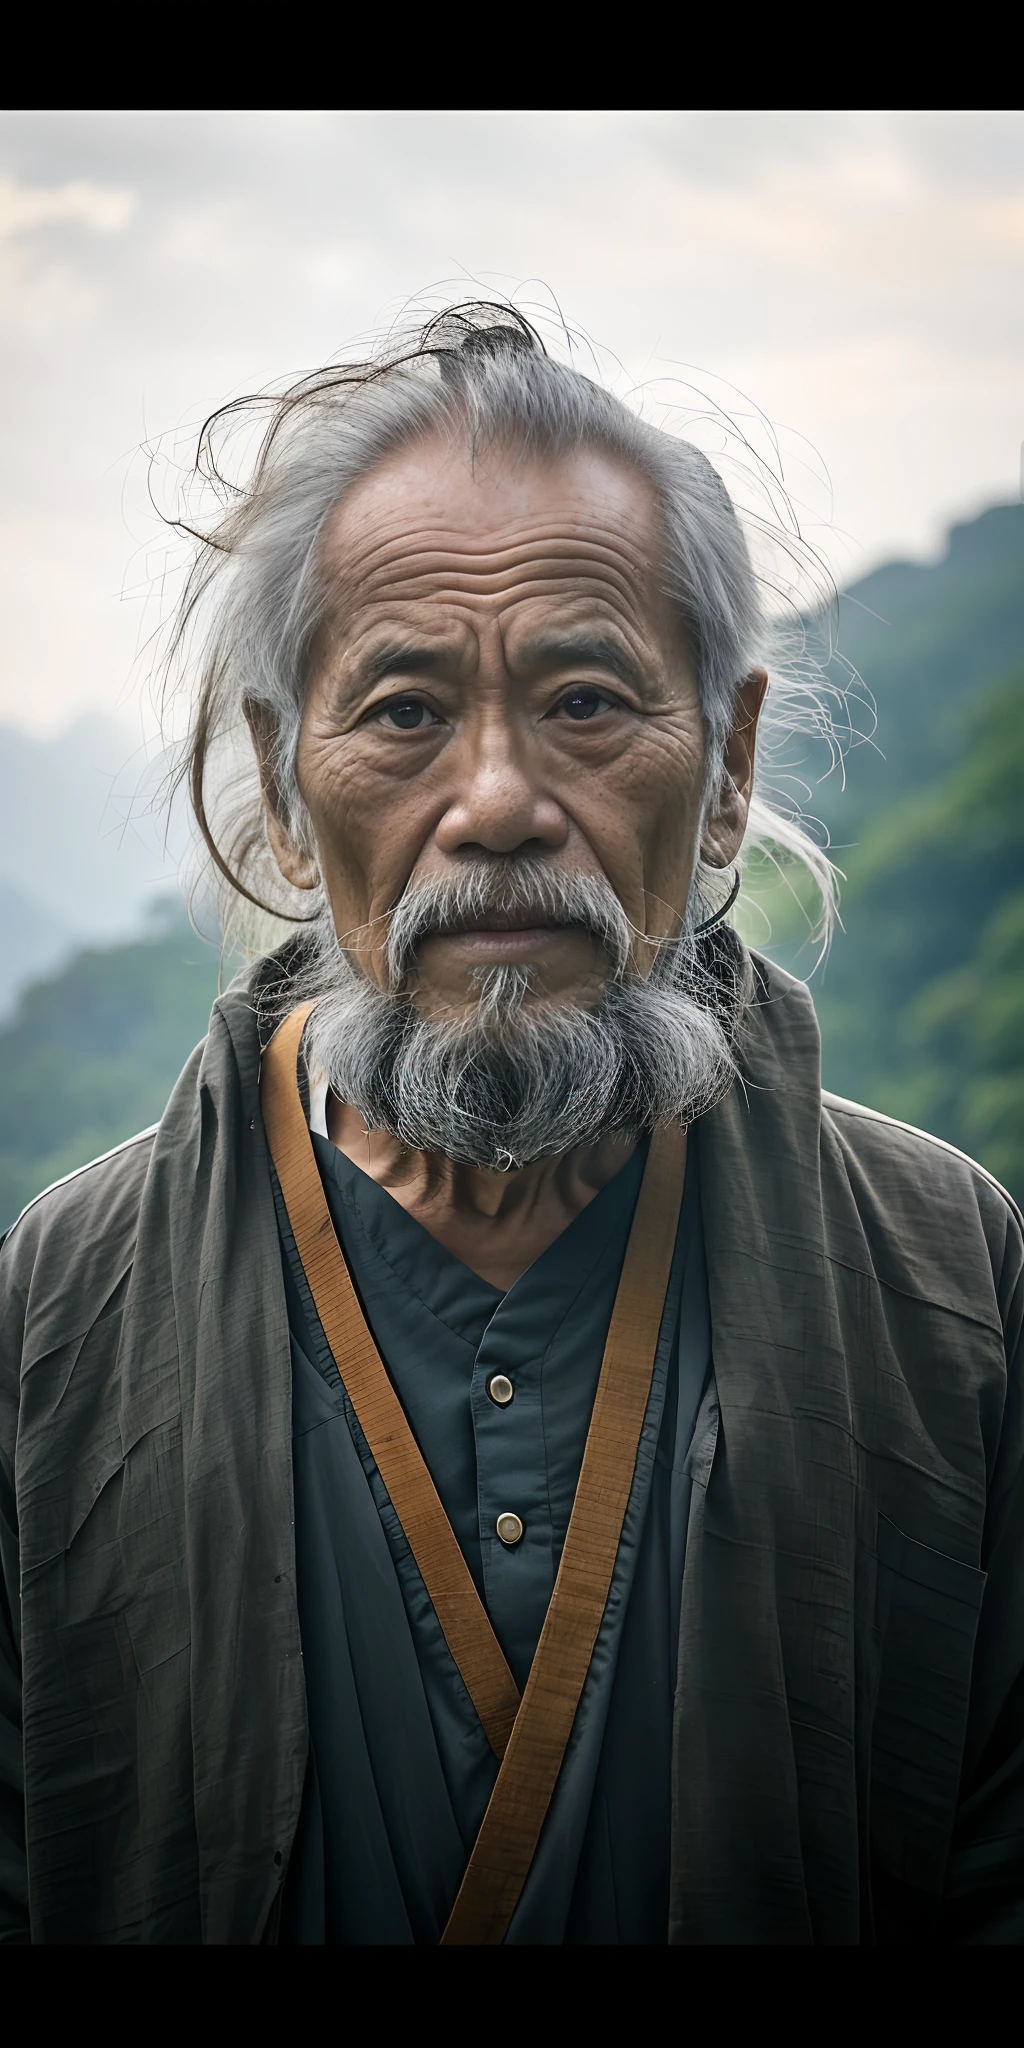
(33, 939)
(93, 1053)
(82, 845)
(922, 1004)
(920, 1000)
(928, 639)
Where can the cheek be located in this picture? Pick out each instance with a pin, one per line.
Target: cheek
(367, 825)
(642, 812)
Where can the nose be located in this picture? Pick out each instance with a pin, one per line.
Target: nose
(499, 804)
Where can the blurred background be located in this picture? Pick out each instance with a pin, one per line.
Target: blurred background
(845, 290)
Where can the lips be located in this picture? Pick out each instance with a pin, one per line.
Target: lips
(497, 921)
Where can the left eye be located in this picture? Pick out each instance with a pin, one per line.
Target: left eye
(584, 702)
(407, 714)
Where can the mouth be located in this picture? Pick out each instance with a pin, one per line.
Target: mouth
(508, 939)
(497, 921)
(451, 929)
(503, 937)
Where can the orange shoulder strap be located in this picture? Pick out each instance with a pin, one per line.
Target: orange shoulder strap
(412, 1492)
(529, 1738)
(509, 1832)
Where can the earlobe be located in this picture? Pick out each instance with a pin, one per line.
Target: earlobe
(298, 868)
(723, 833)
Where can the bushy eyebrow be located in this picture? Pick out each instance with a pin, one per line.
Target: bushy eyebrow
(546, 651)
(592, 650)
(398, 657)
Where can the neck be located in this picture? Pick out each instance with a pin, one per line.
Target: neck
(496, 1223)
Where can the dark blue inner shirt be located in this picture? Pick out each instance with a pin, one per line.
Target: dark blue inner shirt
(400, 1769)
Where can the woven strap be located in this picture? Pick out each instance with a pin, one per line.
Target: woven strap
(529, 1738)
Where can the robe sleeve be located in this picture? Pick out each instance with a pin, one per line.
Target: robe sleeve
(984, 1895)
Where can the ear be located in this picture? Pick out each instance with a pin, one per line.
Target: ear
(727, 821)
(297, 867)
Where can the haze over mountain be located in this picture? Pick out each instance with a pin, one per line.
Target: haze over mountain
(927, 638)
(83, 849)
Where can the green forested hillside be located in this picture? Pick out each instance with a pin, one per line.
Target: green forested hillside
(921, 1001)
(93, 1052)
(928, 639)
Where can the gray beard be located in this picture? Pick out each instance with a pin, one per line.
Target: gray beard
(518, 1078)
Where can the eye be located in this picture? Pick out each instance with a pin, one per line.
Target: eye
(583, 701)
(405, 714)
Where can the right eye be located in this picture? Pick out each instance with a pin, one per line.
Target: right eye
(406, 714)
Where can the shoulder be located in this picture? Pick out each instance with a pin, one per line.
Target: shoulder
(919, 1153)
(927, 1165)
(74, 1243)
(951, 1230)
(63, 1259)
(904, 1208)
(83, 1198)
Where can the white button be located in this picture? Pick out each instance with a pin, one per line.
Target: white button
(500, 1389)
(509, 1528)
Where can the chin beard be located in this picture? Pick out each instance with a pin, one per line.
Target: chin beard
(519, 1077)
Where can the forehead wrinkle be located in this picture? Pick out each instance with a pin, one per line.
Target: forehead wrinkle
(431, 582)
(456, 558)
(449, 619)
(437, 546)
(509, 531)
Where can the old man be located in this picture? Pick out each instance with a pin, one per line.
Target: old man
(506, 1459)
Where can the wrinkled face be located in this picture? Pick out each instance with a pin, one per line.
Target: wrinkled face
(501, 675)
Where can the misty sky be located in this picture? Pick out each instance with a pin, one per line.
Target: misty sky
(859, 278)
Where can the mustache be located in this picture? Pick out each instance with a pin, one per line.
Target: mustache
(507, 893)
(513, 1080)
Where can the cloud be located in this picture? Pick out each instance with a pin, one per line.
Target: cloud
(859, 276)
(106, 209)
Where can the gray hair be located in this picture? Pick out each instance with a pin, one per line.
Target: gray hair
(257, 595)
